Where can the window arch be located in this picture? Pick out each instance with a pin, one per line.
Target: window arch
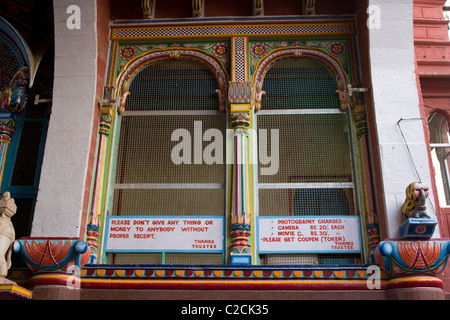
(440, 154)
(299, 83)
(314, 176)
(138, 63)
(170, 117)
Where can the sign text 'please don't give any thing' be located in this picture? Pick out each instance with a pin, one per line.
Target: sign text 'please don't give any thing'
(148, 234)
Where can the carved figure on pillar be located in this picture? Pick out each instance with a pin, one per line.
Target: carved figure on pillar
(8, 209)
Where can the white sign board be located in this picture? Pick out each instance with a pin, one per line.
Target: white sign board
(309, 234)
(164, 234)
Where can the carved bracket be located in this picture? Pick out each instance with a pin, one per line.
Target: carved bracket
(258, 7)
(239, 92)
(147, 9)
(106, 110)
(309, 7)
(197, 8)
(343, 98)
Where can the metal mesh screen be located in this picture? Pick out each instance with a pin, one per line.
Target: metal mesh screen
(194, 258)
(309, 259)
(174, 84)
(166, 258)
(165, 201)
(299, 83)
(145, 149)
(162, 165)
(135, 258)
(306, 202)
(312, 147)
(314, 175)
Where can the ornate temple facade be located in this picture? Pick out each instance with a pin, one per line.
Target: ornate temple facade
(200, 149)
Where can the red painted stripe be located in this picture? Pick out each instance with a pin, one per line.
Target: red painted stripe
(233, 284)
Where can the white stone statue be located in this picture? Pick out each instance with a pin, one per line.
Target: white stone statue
(8, 208)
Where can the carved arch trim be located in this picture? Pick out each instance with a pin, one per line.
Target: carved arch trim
(300, 52)
(137, 64)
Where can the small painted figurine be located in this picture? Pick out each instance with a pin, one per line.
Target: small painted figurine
(415, 202)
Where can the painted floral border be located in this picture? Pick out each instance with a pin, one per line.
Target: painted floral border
(336, 48)
(219, 49)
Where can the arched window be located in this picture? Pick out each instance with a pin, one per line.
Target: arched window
(440, 153)
(313, 174)
(165, 165)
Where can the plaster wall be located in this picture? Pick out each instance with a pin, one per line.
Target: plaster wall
(402, 148)
(60, 199)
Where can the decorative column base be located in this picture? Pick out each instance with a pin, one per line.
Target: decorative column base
(53, 254)
(406, 257)
(415, 287)
(241, 250)
(240, 259)
(413, 267)
(55, 264)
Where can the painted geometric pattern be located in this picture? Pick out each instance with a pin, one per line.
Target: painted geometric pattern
(337, 48)
(122, 33)
(224, 273)
(50, 255)
(240, 53)
(402, 257)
